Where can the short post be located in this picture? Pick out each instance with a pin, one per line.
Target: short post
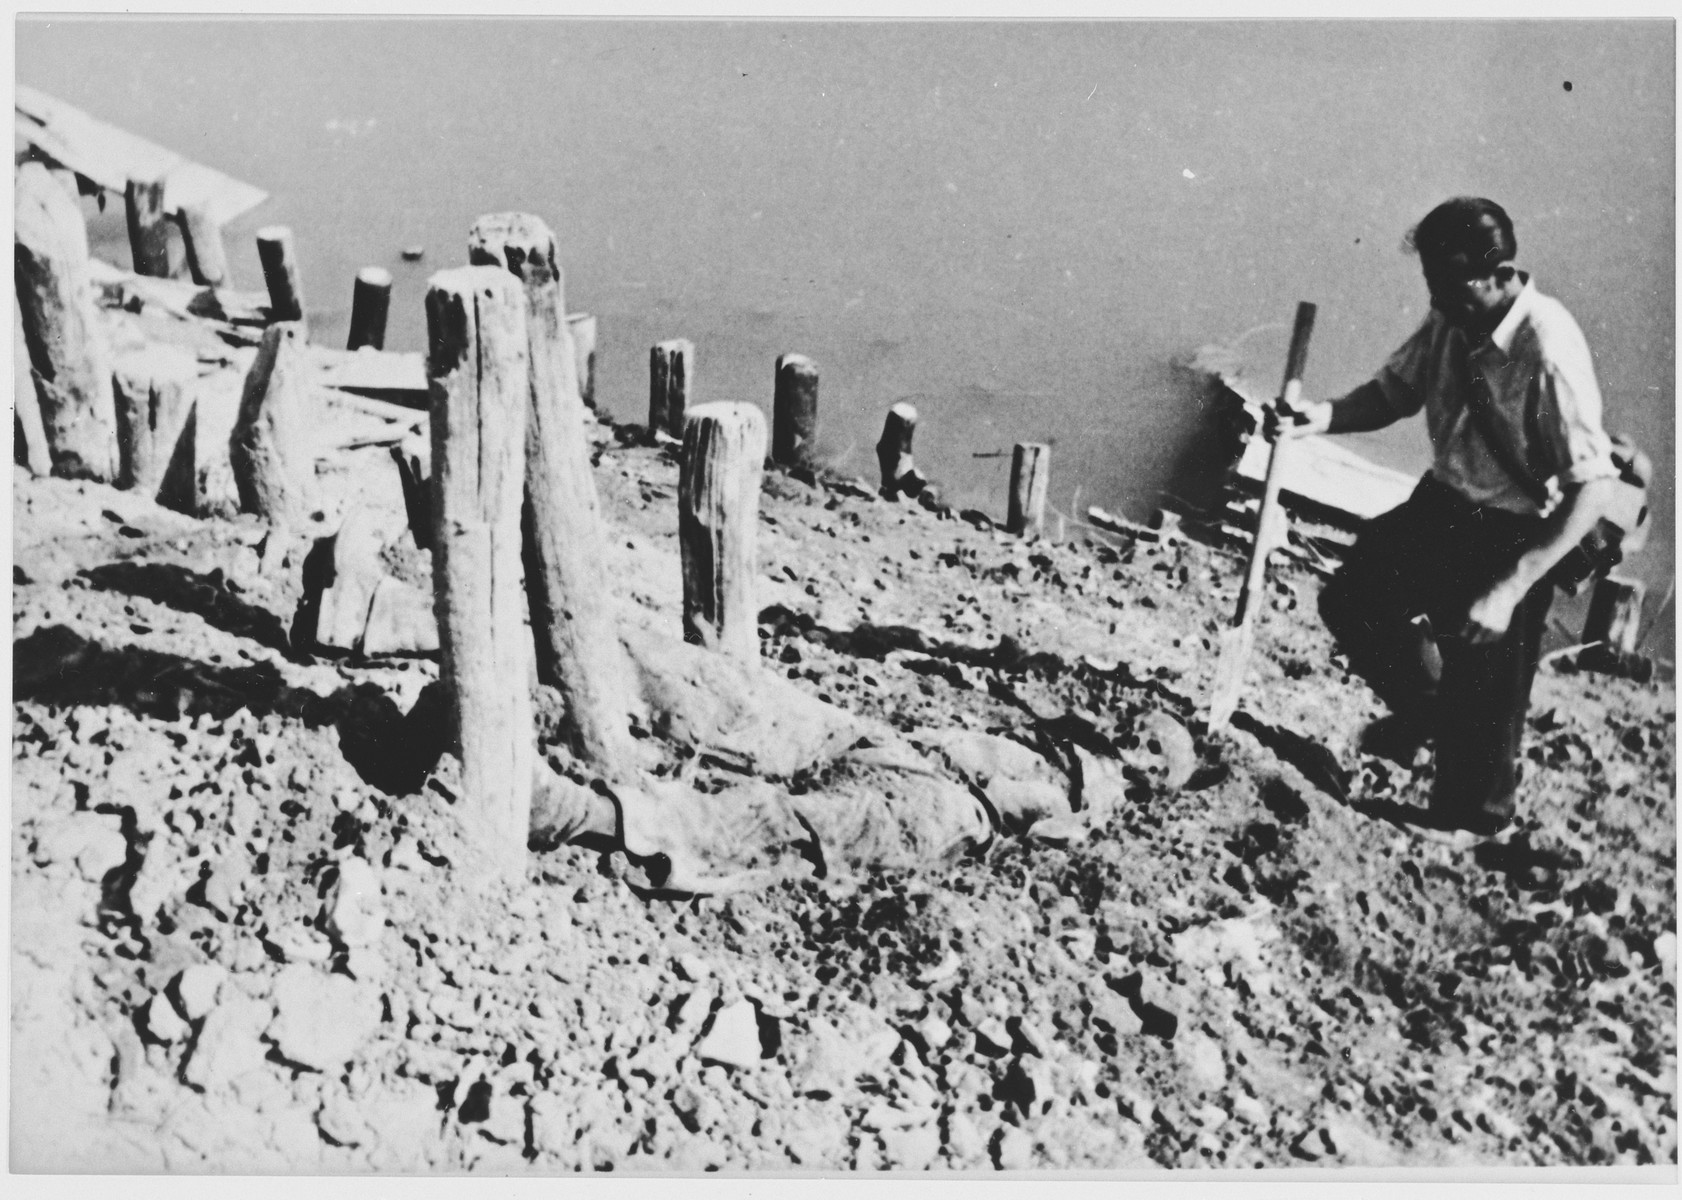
(272, 448)
(893, 453)
(30, 437)
(68, 349)
(280, 272)
(370, 302)
(154, 395)
(148, 228)
(669, 367)
(573, 624)
(718, 514)
(479, 370)
(1615, 613)
(1030, 470)
(794, 411)
(207, 257)
(582, 326)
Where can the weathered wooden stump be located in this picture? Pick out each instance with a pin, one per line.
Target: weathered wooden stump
(893, 454)
(718, 514)
(272, 450)
(154, 395)
(413, 456)
(280, 272)
(69, 352)
(669, 367)
(794, 419)
(29, 436)
(1030, 471)
(370, 302)
(207, 257)
(479, 368)
(1615, 613)
(578, 650)
(148, 229)
(582, 326)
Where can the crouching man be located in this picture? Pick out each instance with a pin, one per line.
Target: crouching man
(1442, 602)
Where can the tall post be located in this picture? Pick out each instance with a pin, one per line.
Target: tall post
(1030, 470)
(893, 452)
(718, 514)
(370, 302)
(207, 257)
(1615, 613)
(272, 447)
(479, 373)
(154, 394)
(69, 352)
(30, 445)
(582, 326)
(148, 228)
(669, 367)
(280, 272)
(577, 637)
(794, 423)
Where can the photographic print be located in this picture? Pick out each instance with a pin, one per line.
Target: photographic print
(843, 597)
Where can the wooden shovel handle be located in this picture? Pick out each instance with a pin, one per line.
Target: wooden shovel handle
(1295, 363)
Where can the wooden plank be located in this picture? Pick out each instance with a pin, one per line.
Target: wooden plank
(383, 374)
(110, 156)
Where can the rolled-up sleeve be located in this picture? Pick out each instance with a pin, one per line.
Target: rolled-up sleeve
(1568, 415)
(1402, 378)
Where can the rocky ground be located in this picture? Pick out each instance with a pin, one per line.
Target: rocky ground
(234, 951)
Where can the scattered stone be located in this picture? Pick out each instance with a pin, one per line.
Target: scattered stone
(229, 1043)
(196, 988)
(320, 1019)
(355, 913)
(1200, 1055)
(734, 1038)
(934, 1032)
(162, 1021)
(911, 1149)
(341, 1120)
(1247, 1108)
(964, 1142)
(1013, 1149)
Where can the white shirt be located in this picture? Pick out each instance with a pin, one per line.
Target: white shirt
(1542, 400)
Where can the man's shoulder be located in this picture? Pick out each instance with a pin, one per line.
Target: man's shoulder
(1550, 332)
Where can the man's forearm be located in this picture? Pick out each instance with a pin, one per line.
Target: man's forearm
(1361, 410)
(1565, 527)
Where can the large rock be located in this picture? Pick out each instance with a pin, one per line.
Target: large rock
(321, 1020)
(734, 1038)
(355, 913)
(229, 1043)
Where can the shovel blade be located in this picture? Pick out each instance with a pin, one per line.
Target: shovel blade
(1234, 657)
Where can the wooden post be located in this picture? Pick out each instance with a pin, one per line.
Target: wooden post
(154, 395)
(669, 367)
(272, 449)
(29, 446)
(582, 326)
(148, 229)
(280, 272)
(718, 514)
(1030, 470)
(893, 453)
(794, 411)
(207, 257)
(577, 637)
(369, 303)
(69, 354)
(479, 371)
(1615, 613)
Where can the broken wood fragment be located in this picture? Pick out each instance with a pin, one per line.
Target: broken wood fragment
(1030, 471)
(1614, 615)
(68, 347)
(479, 366)
(669, 367)
(565, 545)
(148, 229)
(153, 389)
(280, 272)
(582, 327)
(207, 257)
(370, 303)
(718, 514)
(893, 453)
(794, 412)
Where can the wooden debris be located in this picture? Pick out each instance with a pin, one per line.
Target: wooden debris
(280, 272)
(670, 365)
(153, 397)
(794, 425)
(1030, 473)
(718, 514)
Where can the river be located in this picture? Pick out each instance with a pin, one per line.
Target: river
(1021, 228)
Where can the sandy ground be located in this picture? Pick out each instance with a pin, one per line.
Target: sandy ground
(235, 951)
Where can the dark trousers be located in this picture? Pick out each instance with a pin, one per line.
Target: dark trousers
(1432, 557)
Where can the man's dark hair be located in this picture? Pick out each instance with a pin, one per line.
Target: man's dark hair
(1471, 226)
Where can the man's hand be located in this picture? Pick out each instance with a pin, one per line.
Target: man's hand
(1282, 422)
(1492, 613)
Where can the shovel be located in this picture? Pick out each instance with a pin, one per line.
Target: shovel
(1237, 639)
